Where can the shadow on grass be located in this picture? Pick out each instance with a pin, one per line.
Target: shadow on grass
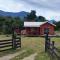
(9, 51)
(24, 54)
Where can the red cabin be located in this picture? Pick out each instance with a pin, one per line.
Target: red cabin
(38, 28)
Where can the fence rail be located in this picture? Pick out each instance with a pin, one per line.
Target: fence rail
(52, 49)
(12, 43)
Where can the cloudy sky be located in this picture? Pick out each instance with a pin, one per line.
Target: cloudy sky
(47, 8)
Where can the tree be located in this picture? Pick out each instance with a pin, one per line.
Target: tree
(6, 24)
(58, 25)
(2, 24)
(32, 15)
(40, 19)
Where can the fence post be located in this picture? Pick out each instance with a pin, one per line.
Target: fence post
(53, 47)
(46, 41)
(20, 38)
(14, 42)
(13, 39)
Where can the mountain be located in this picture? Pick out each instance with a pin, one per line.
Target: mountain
(21, 14)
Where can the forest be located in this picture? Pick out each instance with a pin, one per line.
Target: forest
(7, 22)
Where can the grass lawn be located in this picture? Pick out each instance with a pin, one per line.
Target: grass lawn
(31, 44)
(38, 43)
(5, 37)
(57, 41)
(35, 44)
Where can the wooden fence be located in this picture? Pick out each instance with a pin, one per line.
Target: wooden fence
(52, 50)
(10, 44)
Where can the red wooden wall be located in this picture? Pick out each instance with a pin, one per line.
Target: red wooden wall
(47, 25)
(40, 30)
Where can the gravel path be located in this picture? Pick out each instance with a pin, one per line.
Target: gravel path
(31, 57)
(10, 56)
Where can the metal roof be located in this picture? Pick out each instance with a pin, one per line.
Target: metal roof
(34, 24)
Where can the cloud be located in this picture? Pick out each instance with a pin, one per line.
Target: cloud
(10, 5)
(47, 4)
(46, 8)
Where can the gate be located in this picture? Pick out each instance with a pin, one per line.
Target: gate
(13, 43)
(50, 48)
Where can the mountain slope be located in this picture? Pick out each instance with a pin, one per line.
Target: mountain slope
(17, 14)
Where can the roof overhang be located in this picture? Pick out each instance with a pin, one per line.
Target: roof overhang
(35, 24)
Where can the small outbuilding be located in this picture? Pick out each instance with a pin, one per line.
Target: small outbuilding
(39, 28)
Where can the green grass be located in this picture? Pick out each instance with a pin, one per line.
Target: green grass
(57, 41)
(4, 37)
(24, 54)
(34, 44)
(42, 56)
(45, 56)
(31, 44)
(37, 44)
(10, 51)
